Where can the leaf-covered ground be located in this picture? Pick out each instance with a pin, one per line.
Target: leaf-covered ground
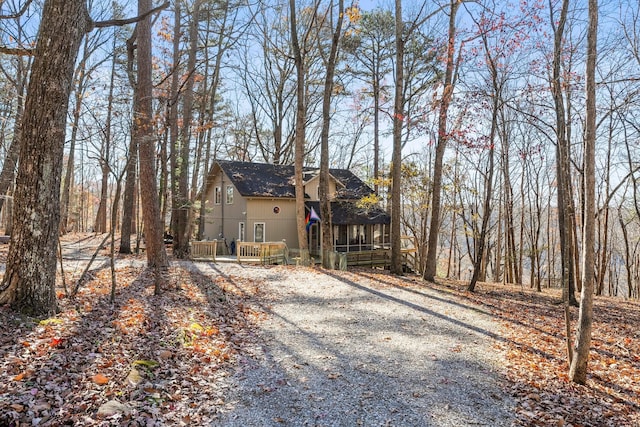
(145, 360)
(161, 360)
(534, 341)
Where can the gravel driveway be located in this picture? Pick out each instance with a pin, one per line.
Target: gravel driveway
(362, 349)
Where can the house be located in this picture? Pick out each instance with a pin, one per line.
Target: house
(255, 202)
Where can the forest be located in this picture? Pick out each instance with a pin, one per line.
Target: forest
(500, 135)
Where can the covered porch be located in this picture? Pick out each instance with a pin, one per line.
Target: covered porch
(355, 229)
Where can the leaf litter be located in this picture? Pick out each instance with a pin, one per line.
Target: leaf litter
(534, 344)
(162, 360)
(146, 360)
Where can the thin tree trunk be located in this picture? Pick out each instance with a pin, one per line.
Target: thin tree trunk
(325, 202)
(441, 145)
(101, 216)
(563, 165)
(69, 174)
(578, 369)
(396, 159)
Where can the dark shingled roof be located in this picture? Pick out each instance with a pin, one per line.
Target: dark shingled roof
(348, 213)
(267, 180)
(260, 179)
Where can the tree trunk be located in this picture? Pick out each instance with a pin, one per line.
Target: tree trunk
(143, 133)
(11, 158)
(563, 166)
(396, 158)
(128, 204)
(488, 184)
(441, 145)
(101, 215)
(325, 202)
(29, 281)
(105, 152)
(301, 118)
(181, 199)
(578, 369)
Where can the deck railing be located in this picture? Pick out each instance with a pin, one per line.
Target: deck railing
(262, 252)
(204, 250)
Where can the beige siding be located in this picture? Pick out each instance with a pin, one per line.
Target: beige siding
(311, 188)
(223, 218)
(278, 226)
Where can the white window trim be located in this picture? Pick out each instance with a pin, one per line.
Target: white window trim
(226, 195)
(264, 231)
(217, 195)
(242, 230)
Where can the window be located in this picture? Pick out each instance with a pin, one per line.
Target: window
(229, 194)
(241, 231)
(217, 195)
(258, 232)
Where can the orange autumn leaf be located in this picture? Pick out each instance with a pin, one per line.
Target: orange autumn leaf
(55, 342)
(99, 379)
(19, 377)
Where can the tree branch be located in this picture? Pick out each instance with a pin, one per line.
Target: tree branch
(121, 22)
(19, 13)
(20, 51)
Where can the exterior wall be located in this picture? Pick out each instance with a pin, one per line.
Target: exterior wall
(311, 188)
(278, 226)
(221, 220)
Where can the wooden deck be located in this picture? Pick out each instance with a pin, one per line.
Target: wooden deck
(269, 253)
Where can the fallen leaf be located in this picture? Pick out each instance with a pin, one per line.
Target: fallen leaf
(148, 363)
(165, 354)
(113, 407)
(19, 377)
(17, 407)
(51, 321)
(99, 379)
(134, 378)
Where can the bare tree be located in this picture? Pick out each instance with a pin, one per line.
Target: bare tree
(578, 368)
(325, 202)
(430, 269)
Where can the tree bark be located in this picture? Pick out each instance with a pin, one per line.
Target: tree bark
(181, 200)
(105, 154)
(8, 173)
(29, 282)
(578, 369)
(488, 182)
(301, 118)
(325, 202)
(563, 166)
(396, 157)
(143, 133)
(430, 269)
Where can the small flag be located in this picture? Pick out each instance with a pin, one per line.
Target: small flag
(312, 217)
